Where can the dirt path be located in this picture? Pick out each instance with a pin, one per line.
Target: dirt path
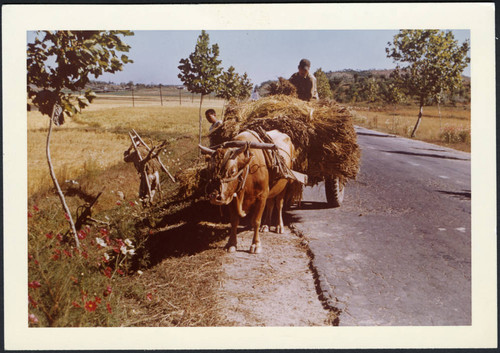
(274, 288)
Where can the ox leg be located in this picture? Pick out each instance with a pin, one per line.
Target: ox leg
(280, 200)
(267, 216)
(260, 205)
(232, 243)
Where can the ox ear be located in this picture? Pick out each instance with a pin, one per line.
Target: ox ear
(245, 160)
(206, 150)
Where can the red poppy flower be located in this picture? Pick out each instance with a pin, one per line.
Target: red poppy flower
(90, 306)
(82, 235)
(75, 280)
(30, 257)
(34, 284)
(120, 272)
(55, 257)
(131, 203)
(59, 236)
(30, 215)
(66, 216)
(103, 231)
(75, 304)
(107, 291)
(118, 203)
(49, 235)
(35, 207)
(149, 296)
(108, 307)
(84, 254)
(107, 272)
(97, 300)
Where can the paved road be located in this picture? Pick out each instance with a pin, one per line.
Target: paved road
(398, 251)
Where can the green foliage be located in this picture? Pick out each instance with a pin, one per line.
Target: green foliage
(246, 86)
(323, 85)
(76, 55)
(200, 71)
(435, 61)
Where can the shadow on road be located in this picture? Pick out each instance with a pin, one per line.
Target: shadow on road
(427, 155)
(465, 195)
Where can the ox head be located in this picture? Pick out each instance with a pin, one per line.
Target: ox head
(227, 172)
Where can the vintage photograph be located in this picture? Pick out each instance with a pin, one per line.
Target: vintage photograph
(255, 178)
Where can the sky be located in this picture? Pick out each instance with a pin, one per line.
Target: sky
(262, 54)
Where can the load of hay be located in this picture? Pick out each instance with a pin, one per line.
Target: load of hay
(322, 132)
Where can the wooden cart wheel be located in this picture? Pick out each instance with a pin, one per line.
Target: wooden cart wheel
(334, 191)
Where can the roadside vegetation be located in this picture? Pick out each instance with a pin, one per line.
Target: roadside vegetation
(105, 282)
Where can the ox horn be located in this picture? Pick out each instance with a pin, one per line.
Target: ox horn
(206, 150)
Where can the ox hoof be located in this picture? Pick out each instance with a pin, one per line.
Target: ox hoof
(231, 248)
(255, 249)
(264, 228)
(279, 230)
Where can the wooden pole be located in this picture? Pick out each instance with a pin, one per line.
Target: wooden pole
(161, 98)
(133, 103)
(180, 98)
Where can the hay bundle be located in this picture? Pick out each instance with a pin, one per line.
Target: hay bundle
(282, 86)
(322, 132)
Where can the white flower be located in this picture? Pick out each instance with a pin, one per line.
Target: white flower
(123, 249)
(131, 251)
(106, 256)
(128, 242)
(100, 242)
(140, 272)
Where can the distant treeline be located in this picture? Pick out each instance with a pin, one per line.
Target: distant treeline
(373, 86)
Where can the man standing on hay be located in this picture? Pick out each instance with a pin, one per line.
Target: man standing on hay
(304, 81)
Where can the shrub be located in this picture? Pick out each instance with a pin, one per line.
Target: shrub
(68, 286)
(454, 134)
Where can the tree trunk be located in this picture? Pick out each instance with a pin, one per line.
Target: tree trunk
(58, 188)
(199, 135)
(414, 132)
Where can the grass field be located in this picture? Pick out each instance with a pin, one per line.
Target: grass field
(448, 126)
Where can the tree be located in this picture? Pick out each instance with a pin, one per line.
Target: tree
(323, 85)
(58, 65)
(245, 87)
(435, 62)
(200, 71)
(228, 86)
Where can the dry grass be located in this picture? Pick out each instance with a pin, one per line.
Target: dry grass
(74, 151)
(400, 120)
(95, 140)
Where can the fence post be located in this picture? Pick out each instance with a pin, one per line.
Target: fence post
(161, 98)
(133, 102)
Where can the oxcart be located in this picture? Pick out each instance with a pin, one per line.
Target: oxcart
(322, 132)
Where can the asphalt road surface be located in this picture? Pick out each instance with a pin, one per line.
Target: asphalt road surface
(398, 250)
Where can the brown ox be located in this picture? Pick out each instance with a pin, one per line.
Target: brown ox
(241, 179)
